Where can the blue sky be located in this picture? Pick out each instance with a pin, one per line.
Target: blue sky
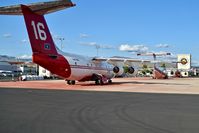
(149, 25)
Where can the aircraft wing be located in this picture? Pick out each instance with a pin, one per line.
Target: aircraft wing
(39, 8)
(126, 61)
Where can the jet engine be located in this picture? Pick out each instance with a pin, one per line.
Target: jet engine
(118, 70)
(131, 70)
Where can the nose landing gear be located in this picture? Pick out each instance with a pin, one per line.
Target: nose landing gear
(71, 82)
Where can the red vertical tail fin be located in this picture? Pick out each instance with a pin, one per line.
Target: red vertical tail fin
(43, 47)
(39, 34)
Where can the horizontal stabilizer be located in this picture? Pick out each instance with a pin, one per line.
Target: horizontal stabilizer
(40, 8)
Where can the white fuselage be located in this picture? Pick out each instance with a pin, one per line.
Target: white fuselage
(83, 67)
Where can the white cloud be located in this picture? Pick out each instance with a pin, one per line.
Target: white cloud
(162, 45)
(24, 41)
(133, 48)
(97, 45)
(88, 43)
(82, 35)
(7, 35)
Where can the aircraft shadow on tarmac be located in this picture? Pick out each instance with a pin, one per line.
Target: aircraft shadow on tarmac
(137, 82)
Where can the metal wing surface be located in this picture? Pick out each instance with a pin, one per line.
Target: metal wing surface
(39, 8)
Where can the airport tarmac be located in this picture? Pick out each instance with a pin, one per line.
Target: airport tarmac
(144, 85)
(65, 111)
(129, 105)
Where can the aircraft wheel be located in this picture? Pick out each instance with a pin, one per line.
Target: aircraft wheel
(99, 82)
(69, 82)
(110, 81)
(72, 82)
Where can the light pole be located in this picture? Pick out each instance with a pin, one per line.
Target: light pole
(61, 40)
(97, 47)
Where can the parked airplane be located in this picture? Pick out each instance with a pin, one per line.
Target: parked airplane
(71, 67)
(157, 73)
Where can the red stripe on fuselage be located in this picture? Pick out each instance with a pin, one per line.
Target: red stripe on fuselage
(89, 67)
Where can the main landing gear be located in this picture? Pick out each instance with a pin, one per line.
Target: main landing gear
(101, 82)
(101, 79)
(71, 82)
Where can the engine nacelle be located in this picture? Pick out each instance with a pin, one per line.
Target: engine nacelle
(118, 70)
(131, 70)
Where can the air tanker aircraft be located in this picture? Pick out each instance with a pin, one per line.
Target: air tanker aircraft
(71, 67)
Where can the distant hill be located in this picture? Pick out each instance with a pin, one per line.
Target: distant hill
(11, 58)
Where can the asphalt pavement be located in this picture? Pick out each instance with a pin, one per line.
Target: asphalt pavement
(58, 111)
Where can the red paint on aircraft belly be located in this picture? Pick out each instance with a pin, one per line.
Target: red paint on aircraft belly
(58, 66)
